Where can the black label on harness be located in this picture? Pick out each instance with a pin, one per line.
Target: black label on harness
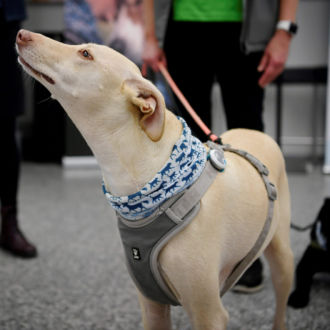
(136, 253)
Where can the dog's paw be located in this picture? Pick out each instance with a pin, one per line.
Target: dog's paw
(298, 299)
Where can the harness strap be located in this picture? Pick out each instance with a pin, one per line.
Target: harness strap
(261, 168)
(174, 215)
(146, 237)
(272, 195)
(193, 195)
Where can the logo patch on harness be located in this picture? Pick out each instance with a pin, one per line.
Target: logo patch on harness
(136, 253)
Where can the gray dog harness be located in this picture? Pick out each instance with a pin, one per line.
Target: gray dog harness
(144, 239)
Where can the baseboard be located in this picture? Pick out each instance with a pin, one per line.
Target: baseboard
(79, 162)
(326, 169)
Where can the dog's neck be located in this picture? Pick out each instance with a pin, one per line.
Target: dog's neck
(127, 157)
(132, 159)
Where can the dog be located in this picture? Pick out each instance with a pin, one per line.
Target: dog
(315, 258)
(125, 122)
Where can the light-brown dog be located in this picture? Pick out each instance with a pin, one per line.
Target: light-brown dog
(123, 118)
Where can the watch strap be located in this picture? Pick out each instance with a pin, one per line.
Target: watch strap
(288, 26)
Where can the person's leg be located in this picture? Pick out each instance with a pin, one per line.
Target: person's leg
(244, 108)
(238, 77)
(9, 165)
(11, 238)
(11, 92)
(188, 55)
(243, 103)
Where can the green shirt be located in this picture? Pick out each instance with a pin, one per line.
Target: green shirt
(208, 10)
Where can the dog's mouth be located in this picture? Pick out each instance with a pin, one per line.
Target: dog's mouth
(36, 72)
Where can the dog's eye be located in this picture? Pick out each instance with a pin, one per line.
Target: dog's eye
(85, 53)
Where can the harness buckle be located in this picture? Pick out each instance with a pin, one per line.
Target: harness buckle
(271, 189)
(217, 159)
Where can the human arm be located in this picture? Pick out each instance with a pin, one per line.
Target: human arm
(152, 53)
(276, 53)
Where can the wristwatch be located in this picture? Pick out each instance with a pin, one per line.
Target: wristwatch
(290, 27)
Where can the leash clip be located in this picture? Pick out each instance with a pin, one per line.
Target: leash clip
(214, 138)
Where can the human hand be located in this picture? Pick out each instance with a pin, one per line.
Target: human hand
(274, 58)
(152, 55)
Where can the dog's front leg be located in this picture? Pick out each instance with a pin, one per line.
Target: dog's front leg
(207, 312)
(155, 316)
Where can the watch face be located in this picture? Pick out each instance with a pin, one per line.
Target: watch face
(293, 28)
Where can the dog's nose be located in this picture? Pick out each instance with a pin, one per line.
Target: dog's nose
(23, 37)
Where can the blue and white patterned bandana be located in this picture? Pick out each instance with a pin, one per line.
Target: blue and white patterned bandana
(185, 165)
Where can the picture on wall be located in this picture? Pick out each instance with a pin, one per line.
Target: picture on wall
(115, 23)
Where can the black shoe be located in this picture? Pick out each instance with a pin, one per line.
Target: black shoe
(252, 280)
(12, 240)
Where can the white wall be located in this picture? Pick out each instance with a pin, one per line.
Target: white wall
(326, 167)
(310, 46)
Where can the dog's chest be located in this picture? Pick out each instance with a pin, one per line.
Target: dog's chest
(143, 239)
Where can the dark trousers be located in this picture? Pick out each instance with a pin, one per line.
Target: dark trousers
(11, 83)
(12, 101)
(199, 54)
(9, 164)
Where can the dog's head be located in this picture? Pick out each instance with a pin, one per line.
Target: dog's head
(93, 80)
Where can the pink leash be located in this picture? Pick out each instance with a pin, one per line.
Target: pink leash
(186, 104)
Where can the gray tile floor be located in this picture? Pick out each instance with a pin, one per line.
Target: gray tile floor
(79, 280)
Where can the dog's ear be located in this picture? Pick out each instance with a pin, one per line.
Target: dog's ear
(150, 102)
